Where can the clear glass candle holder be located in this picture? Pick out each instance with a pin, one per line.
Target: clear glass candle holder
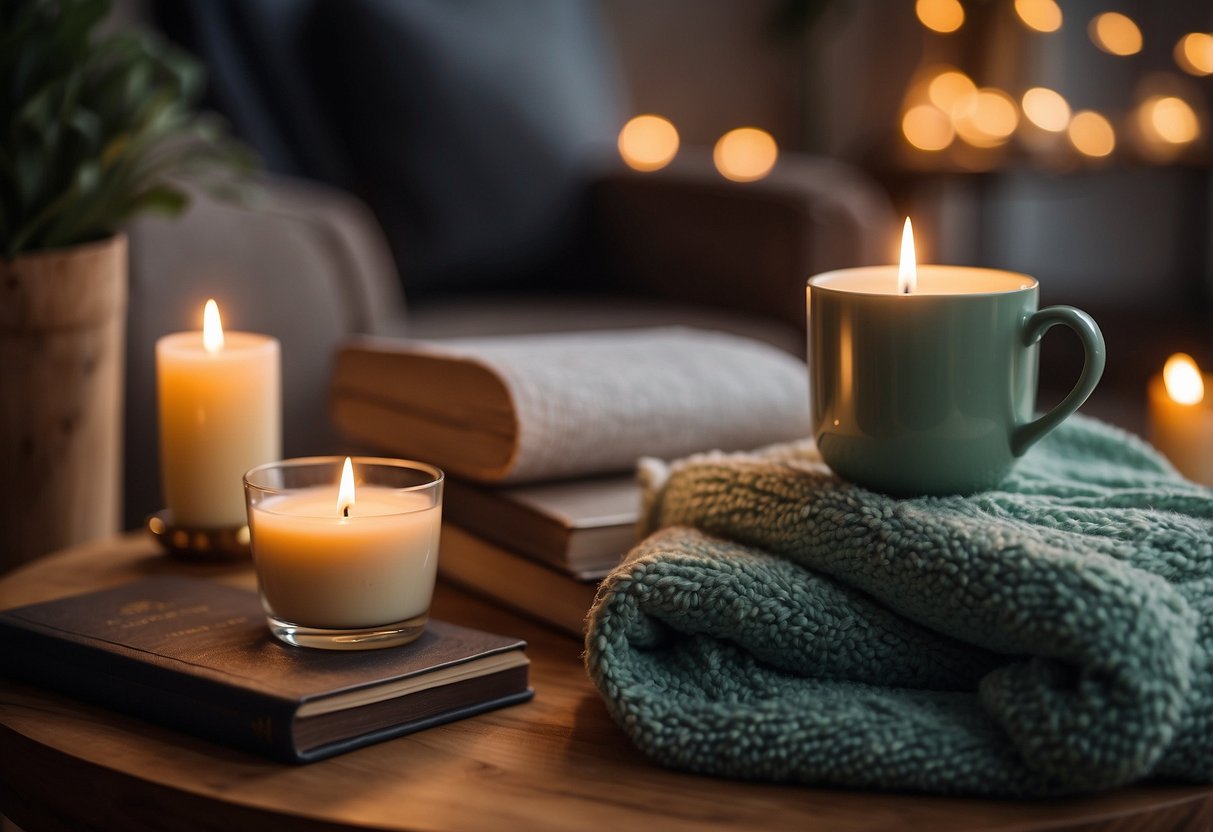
(339, 570)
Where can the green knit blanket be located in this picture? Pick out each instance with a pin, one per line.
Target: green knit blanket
(1049, 637)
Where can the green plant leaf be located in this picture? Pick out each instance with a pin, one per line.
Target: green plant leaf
(162, 199)
(86, 124)
(96, 129)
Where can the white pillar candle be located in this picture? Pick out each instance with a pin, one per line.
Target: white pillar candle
(220, 415)
(318, 567)
(1181, 418)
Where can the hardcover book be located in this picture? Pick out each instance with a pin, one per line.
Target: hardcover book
(514, 581)
(582, 527)
(197, 656)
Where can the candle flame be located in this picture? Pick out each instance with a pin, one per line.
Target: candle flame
(212, 328)
(907, 270)
(1182, 379)
(345, 494)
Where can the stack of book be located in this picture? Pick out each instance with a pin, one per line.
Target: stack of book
(539, 549)
(539, 436)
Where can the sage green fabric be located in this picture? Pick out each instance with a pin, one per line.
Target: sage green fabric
(1049, 637)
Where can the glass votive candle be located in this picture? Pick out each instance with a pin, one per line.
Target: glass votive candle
(345, 561)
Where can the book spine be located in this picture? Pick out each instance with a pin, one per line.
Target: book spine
(98, 673)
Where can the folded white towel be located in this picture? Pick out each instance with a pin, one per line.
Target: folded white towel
(574, 404)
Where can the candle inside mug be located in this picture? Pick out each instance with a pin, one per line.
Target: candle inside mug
(923, 378)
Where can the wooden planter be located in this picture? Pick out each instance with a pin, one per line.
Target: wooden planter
(62, 331)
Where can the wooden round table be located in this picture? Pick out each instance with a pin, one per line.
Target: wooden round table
(557, 762)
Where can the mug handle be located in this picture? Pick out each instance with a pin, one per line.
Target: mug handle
(1037, 324)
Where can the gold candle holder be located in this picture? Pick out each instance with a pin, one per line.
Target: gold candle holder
(205, 545)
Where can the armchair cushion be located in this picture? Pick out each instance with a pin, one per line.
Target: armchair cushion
(464, 125)
(467, 125)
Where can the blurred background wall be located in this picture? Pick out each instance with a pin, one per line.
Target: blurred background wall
(1070, 141)
(839, 77)
(1109, 203)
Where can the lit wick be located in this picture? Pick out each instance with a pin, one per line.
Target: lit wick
(907, 270)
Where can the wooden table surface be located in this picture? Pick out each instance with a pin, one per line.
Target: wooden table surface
(555, 763)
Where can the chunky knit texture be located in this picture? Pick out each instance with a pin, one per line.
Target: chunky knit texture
(1049, 637)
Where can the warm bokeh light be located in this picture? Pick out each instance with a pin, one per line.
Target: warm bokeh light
(1092, 134)
(212, 327)
(1115, 34)
(927, 128)
(949, 88)
(648, 143)
(1046, 109)
(987, 118)
(1194, 53)
(1183, 380)
(745, 154)
(943, 16)
(1041, 15)
(345, 493)
(1169, 119)
(907, 264)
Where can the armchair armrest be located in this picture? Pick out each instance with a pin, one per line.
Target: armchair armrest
(305, 263)
(686, 232)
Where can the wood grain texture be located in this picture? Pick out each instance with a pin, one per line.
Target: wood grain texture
(555, 763)
(62, 331)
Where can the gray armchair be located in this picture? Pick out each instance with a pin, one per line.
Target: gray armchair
(309, 265)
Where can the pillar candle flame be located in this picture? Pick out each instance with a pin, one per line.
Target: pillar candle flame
(1182, 379)
(212, 328)
(907, 270)
(345, 494)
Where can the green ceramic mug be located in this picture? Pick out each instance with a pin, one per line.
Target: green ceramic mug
(933, 392)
